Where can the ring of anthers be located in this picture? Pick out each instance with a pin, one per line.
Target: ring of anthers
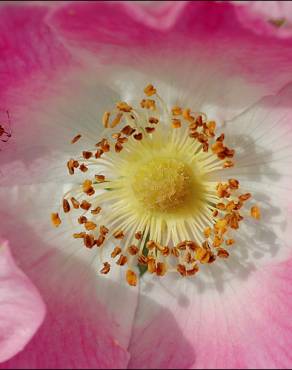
(154, 206)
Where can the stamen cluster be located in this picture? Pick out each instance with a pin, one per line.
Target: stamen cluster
(95, 202)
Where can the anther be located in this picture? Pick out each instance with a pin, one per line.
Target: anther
(106, 268)
(79, 235)
(122, 260)
(117, 120)
(56, 221)
(207, 232)
(187, 115)
(116, 252)
(151, 265)
(233, 184)
(83, 168)
(222, 253)
(150, 130)
(176, 123)
(119, 234)
(105, 119)
(118, 147)
(70, 166)
(244, 197)
(138, 235)
(87, 155)
(148, 104)
(153, 120)
(100, 178)
(176, 110)
(182, 270)
(85, 205)
(124, 107)
(138, 136)
(128, 130)
(98, 153)
(150, 90)
(131, 278)
(255, 212)
(133, 250)
(193, 271)
(228, 164)
(100, 240)
(161, 269)
(66, 206)
(89, 225)
(75, 139)
(89, 240)
(103, 230)
(82, 220)
(96, 211)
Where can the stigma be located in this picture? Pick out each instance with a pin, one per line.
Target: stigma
(163, 184)
(149, 196)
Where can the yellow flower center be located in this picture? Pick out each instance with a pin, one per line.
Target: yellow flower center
(163, 184)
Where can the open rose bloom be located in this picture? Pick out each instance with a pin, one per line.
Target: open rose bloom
(145, 187)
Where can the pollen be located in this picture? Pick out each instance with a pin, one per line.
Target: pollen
(152, 185)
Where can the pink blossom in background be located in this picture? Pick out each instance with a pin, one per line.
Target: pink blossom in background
(61, 67)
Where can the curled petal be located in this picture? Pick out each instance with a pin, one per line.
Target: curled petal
(22, 310)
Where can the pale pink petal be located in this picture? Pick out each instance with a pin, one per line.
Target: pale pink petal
(200, 48)
(236, 325)
(21, 308)
(51, 97)
(235, 313)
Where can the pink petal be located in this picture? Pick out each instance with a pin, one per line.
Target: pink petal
(21, 307)
(89, 318)
(27, 47)
(190, 44)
